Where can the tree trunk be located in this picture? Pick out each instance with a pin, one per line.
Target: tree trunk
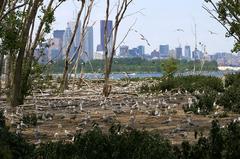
(17, 95)
(64, 82)
(1, 68)
(30, 54)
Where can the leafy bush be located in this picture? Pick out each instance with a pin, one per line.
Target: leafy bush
(230, 99)
(30, 119)
(2, 120)
(95, 144)
(12, 145)
(221, 143)
(232, 79)
(189, 83)
(204, 102)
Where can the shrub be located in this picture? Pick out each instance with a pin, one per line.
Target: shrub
(230, 99)
(232, 79)
(189, 83)
(30, 119)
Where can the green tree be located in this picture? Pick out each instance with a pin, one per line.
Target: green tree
(169, 67)
(227, 13)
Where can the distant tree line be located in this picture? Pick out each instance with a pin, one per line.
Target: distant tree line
(135, 65)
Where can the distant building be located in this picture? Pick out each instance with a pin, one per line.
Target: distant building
(187, 52)
(99, 48)
(226, 59)
(109, 34)
(164, 51)
(98, 56)
(197, 55)
(41, 53)
(58, 34)
(66, 40)
(141, 50)
(77, 38)
(88, 45)
(55, 49)
(179, 53)
(124, 51)
(172, 53)
(155, 54)
(133, 52)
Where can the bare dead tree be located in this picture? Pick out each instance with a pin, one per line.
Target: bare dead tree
(84, 31)
(110, 48)
(64, 81)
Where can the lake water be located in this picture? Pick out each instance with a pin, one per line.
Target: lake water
(118, 76)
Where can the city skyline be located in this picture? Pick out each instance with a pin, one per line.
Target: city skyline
(161, 22)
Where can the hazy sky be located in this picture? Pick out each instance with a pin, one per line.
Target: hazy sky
(159, 23)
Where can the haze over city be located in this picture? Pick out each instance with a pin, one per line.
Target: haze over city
(158, 22)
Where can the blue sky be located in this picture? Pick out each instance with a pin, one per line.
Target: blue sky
(159, 22)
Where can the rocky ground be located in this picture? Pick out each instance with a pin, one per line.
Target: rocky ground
(62, 116)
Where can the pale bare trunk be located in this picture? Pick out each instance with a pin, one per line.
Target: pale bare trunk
(110, 51)
(64, 81)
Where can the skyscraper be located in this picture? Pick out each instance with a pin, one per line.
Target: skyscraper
(66, 40)
(58, 34)
(164, 51)
(58, 41)
(187, 51)
(109, 33)
(141, 50)
(88, 45)
(77, 38)
(124, 51)
(179, 53)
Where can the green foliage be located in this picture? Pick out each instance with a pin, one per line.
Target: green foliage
(12, 145)
(204, 102)
(189, 83)
(39, 79)
(95, 144)
(10, 27)
(136, 65)
(118, 144)
(232, 80)
(2, 120)
(228, 13)
(48, 19)
(230, 99)
(30, 119)
(169, 67)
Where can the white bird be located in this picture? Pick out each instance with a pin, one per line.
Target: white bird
(59, 126)
(23, 125)
(156, 113)
(198, 110)
(56, 135)
(131, 112)
(238, 118)
(5, 113)
(67, 133)
(190, 102)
